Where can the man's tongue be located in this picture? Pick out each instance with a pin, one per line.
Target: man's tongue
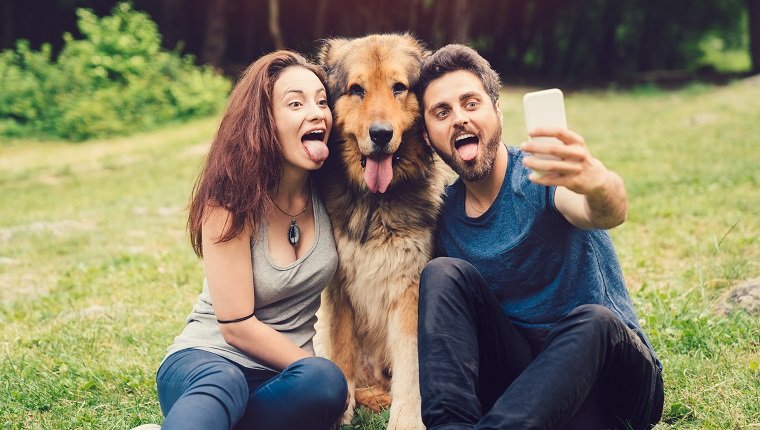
(316, 149)
(378, 173)
(468, 151)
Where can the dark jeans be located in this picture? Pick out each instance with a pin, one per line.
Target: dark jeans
(478, 370)
(201, 390)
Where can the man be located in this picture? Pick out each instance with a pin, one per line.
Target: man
(525, 314)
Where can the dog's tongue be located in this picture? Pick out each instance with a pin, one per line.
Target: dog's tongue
(378, 173)
(317, 150)
(468, 152)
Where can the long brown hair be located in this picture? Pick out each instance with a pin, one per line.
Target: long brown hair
(244, 163)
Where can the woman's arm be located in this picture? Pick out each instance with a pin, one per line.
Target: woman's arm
(230, 282)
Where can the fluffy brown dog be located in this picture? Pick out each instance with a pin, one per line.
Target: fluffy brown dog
(382, 187)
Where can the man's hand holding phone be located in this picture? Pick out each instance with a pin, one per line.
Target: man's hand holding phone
(559, 156)
(571, 164)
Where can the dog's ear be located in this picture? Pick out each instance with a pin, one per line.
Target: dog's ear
(330, 51)
(329, 54)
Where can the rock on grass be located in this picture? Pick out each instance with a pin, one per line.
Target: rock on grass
(744, 296)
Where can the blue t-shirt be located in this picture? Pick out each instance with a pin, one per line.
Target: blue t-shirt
(539, 266)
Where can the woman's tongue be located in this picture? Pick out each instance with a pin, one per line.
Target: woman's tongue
(316, 149)
(378, 172)
(468, 151)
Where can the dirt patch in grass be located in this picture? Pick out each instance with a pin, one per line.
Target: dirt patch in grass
(744, 296)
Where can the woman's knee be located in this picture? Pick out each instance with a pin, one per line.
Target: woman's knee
(225, 383)
(324, 384)
(203, 382)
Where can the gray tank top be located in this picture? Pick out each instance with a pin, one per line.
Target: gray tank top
(286, 297)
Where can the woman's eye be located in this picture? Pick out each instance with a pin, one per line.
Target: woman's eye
(398, 88)
(294, 104)
(322, 102)
(356, 90)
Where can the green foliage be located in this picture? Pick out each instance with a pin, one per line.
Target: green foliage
(116, 80)
(717, 54)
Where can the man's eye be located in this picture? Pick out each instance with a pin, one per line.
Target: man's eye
(441, 114)
(472, 105)
(356, 90)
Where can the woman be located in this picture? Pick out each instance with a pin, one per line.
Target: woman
(245, 359)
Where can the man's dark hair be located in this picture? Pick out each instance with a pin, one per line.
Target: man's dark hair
(452, 58)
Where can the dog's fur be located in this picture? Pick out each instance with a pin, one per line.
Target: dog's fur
(384, 239)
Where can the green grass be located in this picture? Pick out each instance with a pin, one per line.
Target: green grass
(97, 275)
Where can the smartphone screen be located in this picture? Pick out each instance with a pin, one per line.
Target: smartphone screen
(545, 109)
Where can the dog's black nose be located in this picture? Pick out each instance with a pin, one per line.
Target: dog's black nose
(381, 134)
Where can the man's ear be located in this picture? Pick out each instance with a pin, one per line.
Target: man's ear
(426, 138)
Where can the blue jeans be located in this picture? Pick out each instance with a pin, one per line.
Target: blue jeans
(478, 370)
(201, 390)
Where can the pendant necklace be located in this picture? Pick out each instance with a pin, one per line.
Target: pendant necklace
(294, 232)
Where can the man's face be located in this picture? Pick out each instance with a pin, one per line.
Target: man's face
(463, 126)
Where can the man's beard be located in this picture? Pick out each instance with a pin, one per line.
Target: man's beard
(482, 166)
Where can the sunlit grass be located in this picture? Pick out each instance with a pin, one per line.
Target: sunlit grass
(97, 275)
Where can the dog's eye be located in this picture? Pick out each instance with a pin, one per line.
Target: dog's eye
(356, 90)
(398, 88)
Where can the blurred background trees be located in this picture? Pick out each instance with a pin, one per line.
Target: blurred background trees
(77, 69)
(600, 40)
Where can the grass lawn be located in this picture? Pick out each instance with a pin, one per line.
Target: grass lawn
(97, 275)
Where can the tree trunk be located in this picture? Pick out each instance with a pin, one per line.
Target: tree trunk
(459, 21)
(274, 24)
(321, 19)
(411, 23)
(252, 29)
(569, 57)
(502, 43)
(436, 33)
(549, 12)
(215, 42)
(753, 13)
(171, 16)
(6, 38)
(517, 21)
(646, 41)
(607, 59)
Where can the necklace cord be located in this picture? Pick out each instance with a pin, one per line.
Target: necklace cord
(308, 199)
(294, 232)
(472, 203)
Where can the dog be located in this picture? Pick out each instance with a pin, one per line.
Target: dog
(382, 187)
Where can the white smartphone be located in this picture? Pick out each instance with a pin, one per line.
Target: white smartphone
(545, 109)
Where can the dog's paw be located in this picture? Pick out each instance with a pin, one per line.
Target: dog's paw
(405, 416)
(348, 415)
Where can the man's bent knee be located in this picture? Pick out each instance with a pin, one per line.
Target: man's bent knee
(594, 321)
(442, 273)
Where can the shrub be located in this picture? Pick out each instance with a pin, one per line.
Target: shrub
(116, 80)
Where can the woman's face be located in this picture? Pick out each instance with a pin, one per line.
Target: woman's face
(302, 117)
